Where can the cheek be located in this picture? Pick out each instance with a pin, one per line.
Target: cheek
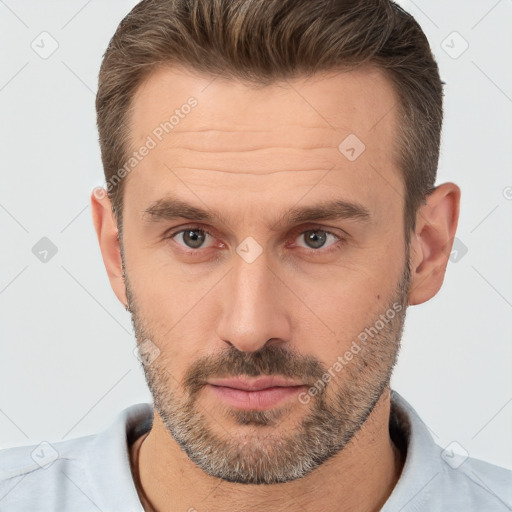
(175, 322)
(345, 304)
(176, 354)
(168, 297)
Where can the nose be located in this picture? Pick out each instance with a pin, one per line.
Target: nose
(254, 306)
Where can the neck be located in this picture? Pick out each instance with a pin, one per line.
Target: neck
(359, 478)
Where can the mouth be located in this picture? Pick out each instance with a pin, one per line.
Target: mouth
(255, 393)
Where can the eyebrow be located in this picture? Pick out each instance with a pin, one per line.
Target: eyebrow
(171, 208)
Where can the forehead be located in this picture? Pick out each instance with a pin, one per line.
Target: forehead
(218, 134)
(334, 101)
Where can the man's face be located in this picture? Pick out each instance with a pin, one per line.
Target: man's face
(317, 301)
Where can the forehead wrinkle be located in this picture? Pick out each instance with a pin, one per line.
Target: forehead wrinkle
(242, 140)
(251, 173)
(250, 160)
(227, 135)
(253, 148)
(275, 127)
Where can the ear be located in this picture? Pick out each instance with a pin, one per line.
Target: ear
(105, 225)
(431, 243)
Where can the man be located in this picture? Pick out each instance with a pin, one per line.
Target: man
(270, 214)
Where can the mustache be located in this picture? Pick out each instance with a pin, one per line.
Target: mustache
(269, 360)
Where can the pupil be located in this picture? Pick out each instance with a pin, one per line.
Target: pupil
(192, 239)
(317, 241)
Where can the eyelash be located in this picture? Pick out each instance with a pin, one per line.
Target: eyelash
(314, 252)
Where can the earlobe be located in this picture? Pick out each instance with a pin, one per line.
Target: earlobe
(106, 230)
(431, 244)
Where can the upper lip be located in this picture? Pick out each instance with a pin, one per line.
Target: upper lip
(254, 384)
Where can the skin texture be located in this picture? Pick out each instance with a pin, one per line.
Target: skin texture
(249, 154)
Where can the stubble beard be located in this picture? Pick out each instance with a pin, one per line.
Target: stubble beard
(263, 448)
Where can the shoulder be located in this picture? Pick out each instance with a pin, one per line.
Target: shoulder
(82, 474)
(43, 472)
(480, 485)
(440, 479)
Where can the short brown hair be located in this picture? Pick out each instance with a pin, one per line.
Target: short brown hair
(263, 41)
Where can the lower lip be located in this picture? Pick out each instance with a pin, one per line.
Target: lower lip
(262, 399)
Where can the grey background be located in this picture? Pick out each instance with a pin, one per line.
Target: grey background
(67, 365)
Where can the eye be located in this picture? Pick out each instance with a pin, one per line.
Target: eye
(191, 237)
(316, 239)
